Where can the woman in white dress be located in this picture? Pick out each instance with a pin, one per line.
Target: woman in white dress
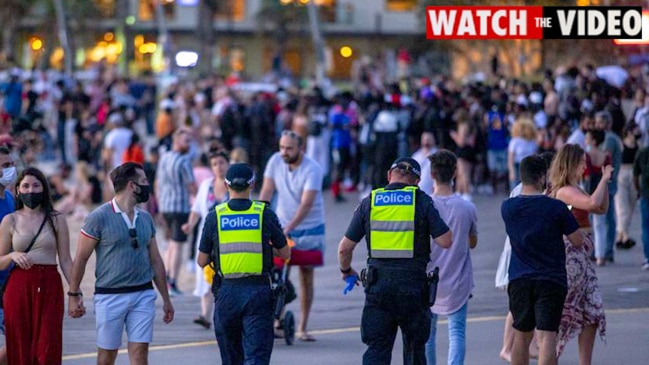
(210, 193)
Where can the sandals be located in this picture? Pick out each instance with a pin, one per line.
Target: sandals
(625, 244)
(201, 321)
(305, 337)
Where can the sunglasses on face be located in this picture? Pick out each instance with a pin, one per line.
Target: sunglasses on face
(133, 233)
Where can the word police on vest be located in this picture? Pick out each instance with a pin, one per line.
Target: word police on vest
(393, 198)
(239, 222)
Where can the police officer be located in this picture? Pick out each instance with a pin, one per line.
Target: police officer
(397, 222)
(239, 238)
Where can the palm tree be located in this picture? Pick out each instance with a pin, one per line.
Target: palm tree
(206, 13)
(280, 19)
(62, 27)
(12, 12)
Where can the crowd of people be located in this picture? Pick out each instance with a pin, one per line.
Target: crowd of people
(169, 149)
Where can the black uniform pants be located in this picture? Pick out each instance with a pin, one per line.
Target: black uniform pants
(383, 314)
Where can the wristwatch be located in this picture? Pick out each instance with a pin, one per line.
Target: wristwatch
(73, 294)
(347, 271)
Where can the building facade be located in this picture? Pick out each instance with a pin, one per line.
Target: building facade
(246, 34)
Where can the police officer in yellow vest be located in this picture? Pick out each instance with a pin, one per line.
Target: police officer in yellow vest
(240, 238)
(397, 222)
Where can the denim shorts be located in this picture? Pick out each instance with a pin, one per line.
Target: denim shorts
(497, 160)
(114, 311)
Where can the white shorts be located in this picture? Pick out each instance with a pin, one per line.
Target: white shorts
(113, 311)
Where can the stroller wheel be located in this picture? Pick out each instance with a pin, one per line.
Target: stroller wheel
(289, 327)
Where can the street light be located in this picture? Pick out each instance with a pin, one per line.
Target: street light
(36, 44)
(346, 51)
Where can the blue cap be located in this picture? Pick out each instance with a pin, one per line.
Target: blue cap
(239, 175)
(407, 164)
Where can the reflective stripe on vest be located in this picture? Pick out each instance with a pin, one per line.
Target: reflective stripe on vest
(392, 223)
(240, 244)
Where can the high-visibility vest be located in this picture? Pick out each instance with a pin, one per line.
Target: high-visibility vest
(392, 223)
(240, 243)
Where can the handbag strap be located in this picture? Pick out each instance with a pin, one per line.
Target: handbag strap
(37, 234)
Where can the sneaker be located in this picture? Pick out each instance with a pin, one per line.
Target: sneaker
(645, 266)
(201, 321)
(628, 244)
(466, 197)
(173, 290)
(190, 266)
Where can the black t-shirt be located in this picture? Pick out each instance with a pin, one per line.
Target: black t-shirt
(428, 224)
(271, 231)
(536, 225)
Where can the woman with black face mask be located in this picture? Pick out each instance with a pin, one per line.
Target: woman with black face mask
(32, 239)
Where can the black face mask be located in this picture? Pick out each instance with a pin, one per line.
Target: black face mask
(32, 200)
(143, 195)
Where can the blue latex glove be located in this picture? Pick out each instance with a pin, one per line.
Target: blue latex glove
(351, 282)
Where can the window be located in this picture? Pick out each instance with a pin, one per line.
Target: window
(342, 60)
(234, 56)
(146, 9)
(231, 9)
(291, 60)
(400, 5)
(106, 8)
(327, 10)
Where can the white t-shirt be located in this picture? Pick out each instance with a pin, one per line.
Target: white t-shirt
(290, 185)
(577, 137)
(522, 148)
(426, 182)
(202, 203)
(118, 140)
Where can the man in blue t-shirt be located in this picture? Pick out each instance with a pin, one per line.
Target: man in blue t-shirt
(537, 287)
(12, 91)
(7, 206)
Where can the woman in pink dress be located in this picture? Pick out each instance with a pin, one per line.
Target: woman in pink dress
(583, 313)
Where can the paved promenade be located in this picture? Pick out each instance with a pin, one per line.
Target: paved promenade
(336, 318)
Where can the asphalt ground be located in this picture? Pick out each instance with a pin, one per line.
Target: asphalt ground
(335, 318)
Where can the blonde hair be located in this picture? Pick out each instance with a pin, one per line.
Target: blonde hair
(565, 166)
(525, 129)
(238, 155)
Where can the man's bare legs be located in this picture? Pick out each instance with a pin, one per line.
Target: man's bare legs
(508, 341)
(547, 342)
(306, 300)
(138, 353)
(521, 348)
(106, 357)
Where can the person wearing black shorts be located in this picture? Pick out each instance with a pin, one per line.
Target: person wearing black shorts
(174, 222)
(537, 288)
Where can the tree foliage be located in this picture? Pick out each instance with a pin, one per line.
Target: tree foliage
(282, 20)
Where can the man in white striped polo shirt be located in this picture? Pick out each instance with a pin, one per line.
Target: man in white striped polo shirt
(174, 184)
